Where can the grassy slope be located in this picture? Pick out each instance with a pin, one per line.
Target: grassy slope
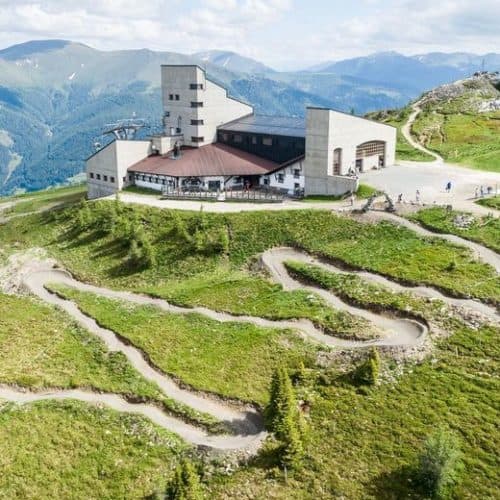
(232, 359)
(45, 199)
(493, 202)
(383, 247)
(459, 133)
(360, 445)
(41, 347)
(484, 230)
(71, 450)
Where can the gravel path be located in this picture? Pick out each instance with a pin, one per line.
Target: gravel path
(406, 131)
(247, 423)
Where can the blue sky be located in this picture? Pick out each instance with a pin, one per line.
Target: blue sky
(285, 34)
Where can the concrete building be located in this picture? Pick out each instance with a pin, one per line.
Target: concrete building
(213, 142)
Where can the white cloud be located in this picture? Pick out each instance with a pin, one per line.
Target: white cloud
(270, 30)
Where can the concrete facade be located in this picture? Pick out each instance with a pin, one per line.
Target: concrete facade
(107, 169)
(194, 106)
(328, 131)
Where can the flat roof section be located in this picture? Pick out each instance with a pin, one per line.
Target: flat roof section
(288, 126)
(209, 160)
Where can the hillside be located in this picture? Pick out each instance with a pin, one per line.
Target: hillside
(214, 324)
(459, 121)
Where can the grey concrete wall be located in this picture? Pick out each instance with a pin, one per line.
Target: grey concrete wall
(217, 108)
(111, 164)
(327, 130)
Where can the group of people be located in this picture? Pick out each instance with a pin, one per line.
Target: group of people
(481, 191)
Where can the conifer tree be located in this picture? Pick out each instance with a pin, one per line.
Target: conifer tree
(186, 483)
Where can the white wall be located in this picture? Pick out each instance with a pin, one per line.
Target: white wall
(217, 108)
(113, 162)
(289, 180)
(327, 130)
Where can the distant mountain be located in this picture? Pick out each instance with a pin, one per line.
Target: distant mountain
(411, 73)
(233, 62)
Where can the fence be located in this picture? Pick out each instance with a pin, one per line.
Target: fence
(232, 196)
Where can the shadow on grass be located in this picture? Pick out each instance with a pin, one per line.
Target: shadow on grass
(396, 484)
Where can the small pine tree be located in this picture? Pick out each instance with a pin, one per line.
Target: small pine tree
(292, 451)
(224, 240)
(369, 371)
(186, 483)
(148, 254)
(284, 418)
(439, 464)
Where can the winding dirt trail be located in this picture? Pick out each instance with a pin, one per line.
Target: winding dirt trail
(406, 131)
(247, 423)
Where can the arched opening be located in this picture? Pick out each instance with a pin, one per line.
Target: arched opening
(337, 161)
(370, 155)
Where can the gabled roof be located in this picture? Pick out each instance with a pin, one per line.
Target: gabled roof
(209, 160)
(269, 125)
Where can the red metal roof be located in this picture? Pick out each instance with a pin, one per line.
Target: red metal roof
(210, 160)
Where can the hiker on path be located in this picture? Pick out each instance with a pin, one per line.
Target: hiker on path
(352, 199)
(476, 193)
(482, 191)
(448, 187)
(417, 196)
(400, 198)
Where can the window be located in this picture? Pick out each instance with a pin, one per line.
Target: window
(177, 97)
(296, 172)
(131, 178)
(296, 186)
(98, 177)
(196, 122)
(91, 175)
(196, 104)
(166, 114)
(337, 161)
(266, 181)
(254, 139)
(171, 97)
(197, 139)
(281, 178)
(105, 178)
(196, 86)
(237, 138)
(225, 137)
(267, 141)
(112, 179)
(150, 179)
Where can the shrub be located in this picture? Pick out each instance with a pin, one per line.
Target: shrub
(284, 419)
(186, 483)
(439, 464)
(368, 372)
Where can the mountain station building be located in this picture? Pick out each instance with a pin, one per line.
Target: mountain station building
(214, 142)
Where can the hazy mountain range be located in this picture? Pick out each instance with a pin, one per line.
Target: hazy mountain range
(56, 96)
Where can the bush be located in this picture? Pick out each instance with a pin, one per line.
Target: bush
(369, 371)
(439, 464)
(284, 419)
(186, 483)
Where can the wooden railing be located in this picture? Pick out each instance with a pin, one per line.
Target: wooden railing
(252, 196)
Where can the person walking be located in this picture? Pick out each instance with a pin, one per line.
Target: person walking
(417, 196)
(352, 199)
(475, 193)
(481, 190)
(400, 198)
(448, 187)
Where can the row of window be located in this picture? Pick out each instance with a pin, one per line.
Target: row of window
(104, 177)
(197, 139)
(266, 141)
